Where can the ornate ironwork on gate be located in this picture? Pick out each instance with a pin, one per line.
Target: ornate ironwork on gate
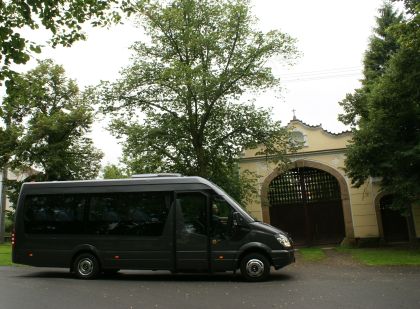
(303, 185)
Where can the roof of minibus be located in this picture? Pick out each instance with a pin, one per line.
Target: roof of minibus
(122, 182)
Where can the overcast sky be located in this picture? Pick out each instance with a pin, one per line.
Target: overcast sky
(332, 37)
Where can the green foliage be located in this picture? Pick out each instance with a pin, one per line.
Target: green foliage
(10, 215)
(52, 117)
(9, 135)
(386, 143)
(113, 171)
(8, 225)
(188, 81)
(12, 192)
(62, 18)
(245, 189)
(383, 44)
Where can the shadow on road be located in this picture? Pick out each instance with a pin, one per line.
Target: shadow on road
(157, 276)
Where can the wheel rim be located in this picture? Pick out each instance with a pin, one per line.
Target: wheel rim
(85, 267)
(255, 268)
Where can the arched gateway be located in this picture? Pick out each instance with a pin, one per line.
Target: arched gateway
(289, 200)
(308, 202)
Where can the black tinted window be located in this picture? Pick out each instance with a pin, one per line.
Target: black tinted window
(191, 215)
(221, 218)
(138, 214)
(54, 214)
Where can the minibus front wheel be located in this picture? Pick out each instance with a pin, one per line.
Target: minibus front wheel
(86, 266)
(255, 267)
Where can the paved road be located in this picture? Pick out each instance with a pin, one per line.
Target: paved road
(302, 285)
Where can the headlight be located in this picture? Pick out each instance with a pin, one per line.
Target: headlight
(283, 240)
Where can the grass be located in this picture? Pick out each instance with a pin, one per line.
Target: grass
(312, 254)
(5, 254)
(370, 256)
(383, 256)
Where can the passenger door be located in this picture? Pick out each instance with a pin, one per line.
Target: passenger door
(192, 241)
(225, 237)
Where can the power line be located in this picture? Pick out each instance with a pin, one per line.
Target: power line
(310, 78)
(321, 74)
(324, 72)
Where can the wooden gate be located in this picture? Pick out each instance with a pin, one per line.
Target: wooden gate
(306, 203)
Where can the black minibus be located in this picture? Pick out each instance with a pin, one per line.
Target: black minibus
(149, 222)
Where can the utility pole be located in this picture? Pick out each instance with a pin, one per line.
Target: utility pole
(3, 204)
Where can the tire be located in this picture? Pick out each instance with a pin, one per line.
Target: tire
(86, 266)
(255, 267)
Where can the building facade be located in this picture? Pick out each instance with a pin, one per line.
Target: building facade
(13, 175)
(312, 198)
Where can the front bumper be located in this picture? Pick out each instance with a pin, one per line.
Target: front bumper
(281, 258)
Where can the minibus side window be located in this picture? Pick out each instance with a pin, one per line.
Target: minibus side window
(54, 214)
(131, 213)
(221, 218)
(191, 214)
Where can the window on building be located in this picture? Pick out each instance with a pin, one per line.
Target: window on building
(299, 138)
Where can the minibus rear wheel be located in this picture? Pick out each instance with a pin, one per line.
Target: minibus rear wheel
(86, 266)
(255, 267)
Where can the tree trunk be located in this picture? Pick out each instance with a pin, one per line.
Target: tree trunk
(201, 156)
(202, 164)
(411, 228)
(3, 204)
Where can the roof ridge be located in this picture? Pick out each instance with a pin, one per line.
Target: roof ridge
(317, 126)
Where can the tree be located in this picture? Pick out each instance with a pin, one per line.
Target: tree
(386, 143)
(202, 57)
(383, 44)
(112, 171)
(10, 130)
(62, 18)
(52, 118)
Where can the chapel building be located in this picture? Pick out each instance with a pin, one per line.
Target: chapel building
(312, 198)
